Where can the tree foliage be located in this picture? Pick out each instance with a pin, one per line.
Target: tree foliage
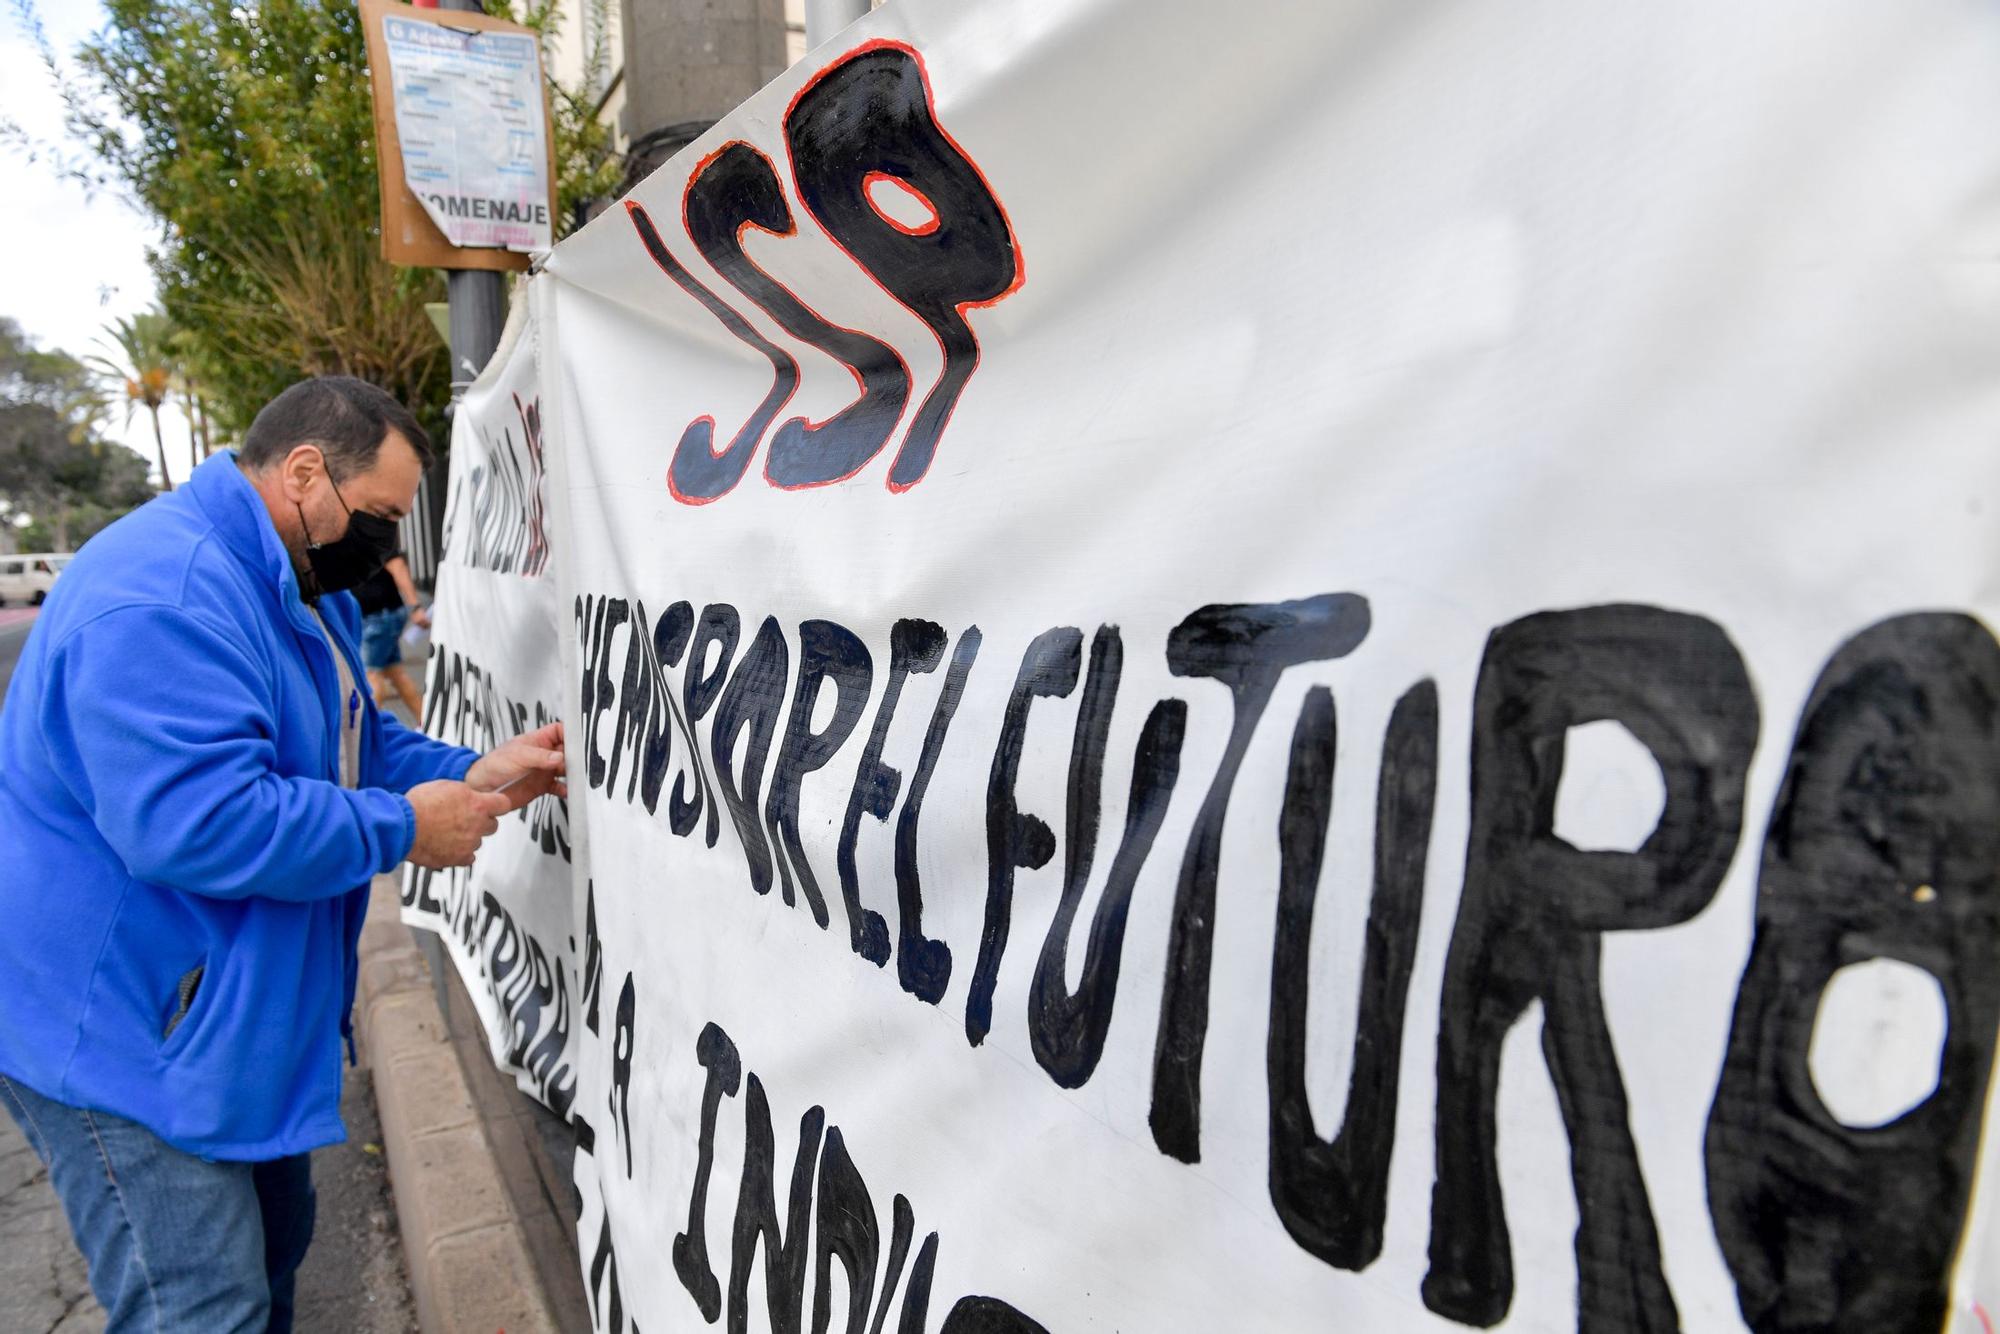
(54, 471)
(247, 129)
(34, 376)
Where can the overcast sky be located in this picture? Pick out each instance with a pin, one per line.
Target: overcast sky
(73, 262)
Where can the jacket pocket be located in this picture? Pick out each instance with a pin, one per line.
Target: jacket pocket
(185, 992)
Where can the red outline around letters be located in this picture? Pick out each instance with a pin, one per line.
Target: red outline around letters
(632, 207)
(1013, 237)
(913, 192)
(859, 383)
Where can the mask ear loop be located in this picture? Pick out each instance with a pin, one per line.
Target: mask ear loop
(326, 464)
(312, 594)
(309, 589)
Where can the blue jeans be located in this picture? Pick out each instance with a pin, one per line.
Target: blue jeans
(175, 1243)
(381, 636)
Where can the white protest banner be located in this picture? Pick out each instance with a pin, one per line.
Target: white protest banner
(495, 671)
(1295, 667)
(469, 117)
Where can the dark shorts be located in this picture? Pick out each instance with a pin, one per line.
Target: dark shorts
(381, 636)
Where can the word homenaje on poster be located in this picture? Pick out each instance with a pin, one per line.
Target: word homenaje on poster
(464, 142)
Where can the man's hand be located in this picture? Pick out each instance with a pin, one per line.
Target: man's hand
(529, 766)
(453, 819)
(421, 615)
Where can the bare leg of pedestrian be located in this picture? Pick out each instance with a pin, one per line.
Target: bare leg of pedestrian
(406, 689)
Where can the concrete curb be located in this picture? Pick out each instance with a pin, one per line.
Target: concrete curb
(470, 1269)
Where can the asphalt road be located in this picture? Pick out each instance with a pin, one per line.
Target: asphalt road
(14, 626)
(353, 1280)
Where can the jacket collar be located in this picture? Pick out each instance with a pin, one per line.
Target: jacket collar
(240, 519)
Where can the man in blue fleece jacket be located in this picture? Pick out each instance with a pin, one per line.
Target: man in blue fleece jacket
(195, 789)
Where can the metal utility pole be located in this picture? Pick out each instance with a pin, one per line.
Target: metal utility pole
(824, 18)
(478, 303)
(477, 297)
(477, 313)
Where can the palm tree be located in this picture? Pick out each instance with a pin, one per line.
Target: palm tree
(187, 364)
(141, 374)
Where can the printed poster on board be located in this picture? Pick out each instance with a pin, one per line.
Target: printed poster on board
(470, 120)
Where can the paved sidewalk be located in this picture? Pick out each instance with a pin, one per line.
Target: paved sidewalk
(469, 1242)
(354, 1280)
(42, 1281)
(14, 626)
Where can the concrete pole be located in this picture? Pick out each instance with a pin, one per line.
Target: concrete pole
(478, 299)
(824, 18)
(688, 63)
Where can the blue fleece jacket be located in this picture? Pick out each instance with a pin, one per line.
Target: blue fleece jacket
(182, 878)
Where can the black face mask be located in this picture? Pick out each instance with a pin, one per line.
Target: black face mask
(363, 549)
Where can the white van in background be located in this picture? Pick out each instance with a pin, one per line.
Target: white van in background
(26, 578)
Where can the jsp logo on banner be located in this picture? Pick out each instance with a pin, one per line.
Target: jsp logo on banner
(1296, 668)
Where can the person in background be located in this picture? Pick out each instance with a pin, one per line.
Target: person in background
(388, 601)
(196, 792)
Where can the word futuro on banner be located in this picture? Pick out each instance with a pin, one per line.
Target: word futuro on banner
(1880, 833)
